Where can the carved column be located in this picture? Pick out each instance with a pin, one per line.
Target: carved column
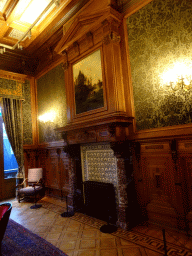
(73, 152)
(119, 149)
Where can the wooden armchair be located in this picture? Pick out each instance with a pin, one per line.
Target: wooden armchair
(35, 185)
(5, 210)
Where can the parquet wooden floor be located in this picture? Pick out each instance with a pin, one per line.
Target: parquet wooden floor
(80, 235)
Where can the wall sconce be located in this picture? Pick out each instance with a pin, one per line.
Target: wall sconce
(48, 117)
(179, 77)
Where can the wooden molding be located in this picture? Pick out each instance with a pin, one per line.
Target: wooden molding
(49, 67)
(111, 128)
(46, 145)
(13, 76)
(127, 78)
(85, 25)
(164, 133)
(34, 110)
(120, 118)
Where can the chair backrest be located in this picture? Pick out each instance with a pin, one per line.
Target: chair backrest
(34, 175)
(5, 210)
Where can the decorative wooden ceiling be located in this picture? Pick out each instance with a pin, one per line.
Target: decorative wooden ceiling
(30, 29)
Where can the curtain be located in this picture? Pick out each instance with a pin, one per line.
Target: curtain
(11, 112)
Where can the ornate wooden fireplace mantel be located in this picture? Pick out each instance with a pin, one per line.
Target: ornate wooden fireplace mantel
(110, 129)
(114, 129)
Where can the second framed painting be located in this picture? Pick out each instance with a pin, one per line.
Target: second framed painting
(88, 83)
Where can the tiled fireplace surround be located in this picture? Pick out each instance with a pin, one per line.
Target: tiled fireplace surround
(105, 160)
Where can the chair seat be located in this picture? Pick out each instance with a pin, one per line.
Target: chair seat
(34, 185)
(30, 190)
(3, 210)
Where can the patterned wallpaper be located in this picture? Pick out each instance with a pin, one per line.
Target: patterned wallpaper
(10, 88)
(51, 97)
(27, 119)
(18, 90)
(160, 35)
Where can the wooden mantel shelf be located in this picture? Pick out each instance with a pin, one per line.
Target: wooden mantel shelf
(119, 118)
(113, 127)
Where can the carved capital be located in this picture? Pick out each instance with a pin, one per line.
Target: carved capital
(111, 38)
(76, 47)
(65, 65)
(89, 38)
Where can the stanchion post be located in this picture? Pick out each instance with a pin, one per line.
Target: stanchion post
(164, 240)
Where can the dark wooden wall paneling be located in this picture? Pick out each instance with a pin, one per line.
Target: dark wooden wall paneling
(163, 178)
(55, 164)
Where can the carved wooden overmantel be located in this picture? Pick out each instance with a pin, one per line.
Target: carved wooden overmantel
(89, 32)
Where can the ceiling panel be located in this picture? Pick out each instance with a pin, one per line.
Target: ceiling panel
(2, 5)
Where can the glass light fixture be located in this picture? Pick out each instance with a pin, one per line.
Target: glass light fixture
(48, 117)
(179, 77)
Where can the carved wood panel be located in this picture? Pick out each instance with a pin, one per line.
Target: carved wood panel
(163, 178)
(155, 182)
(185, 182)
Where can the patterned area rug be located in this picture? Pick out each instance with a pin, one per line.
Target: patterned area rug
(135, 237)
(19, 241)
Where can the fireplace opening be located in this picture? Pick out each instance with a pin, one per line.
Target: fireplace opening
(100, 200)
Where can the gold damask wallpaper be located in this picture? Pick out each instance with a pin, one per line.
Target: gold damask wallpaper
(160, 35)
(11, 88)
(51, 99)
(20, 90)
(27, 119)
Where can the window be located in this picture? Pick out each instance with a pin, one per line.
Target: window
(10, 162)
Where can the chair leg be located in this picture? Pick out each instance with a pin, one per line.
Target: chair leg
(35, 198)
(35, 206)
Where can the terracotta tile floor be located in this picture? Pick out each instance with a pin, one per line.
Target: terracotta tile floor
(80, 235)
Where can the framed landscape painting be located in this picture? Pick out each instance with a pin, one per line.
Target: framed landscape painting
(88, 83)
